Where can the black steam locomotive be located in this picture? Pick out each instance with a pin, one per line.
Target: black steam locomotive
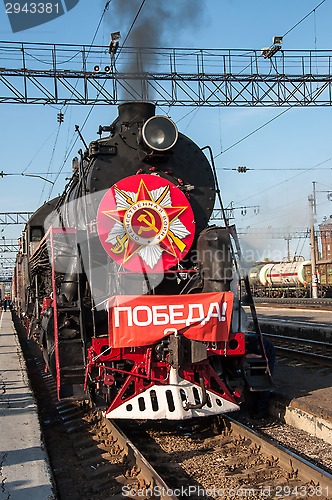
(133, 297)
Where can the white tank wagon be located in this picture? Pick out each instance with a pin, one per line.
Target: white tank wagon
(284, 274)
(280, 279)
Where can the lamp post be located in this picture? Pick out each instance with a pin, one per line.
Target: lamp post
(314, 279)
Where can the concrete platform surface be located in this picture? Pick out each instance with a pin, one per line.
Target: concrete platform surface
(311, 317)
(303, 323)
(24, 468)
(303, 397)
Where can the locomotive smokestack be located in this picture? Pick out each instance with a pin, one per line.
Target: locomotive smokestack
(135, 112)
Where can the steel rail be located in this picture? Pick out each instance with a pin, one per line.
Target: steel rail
(323, 303)
(148, 473)
(306, 342)
(292, 352)
(293, 463)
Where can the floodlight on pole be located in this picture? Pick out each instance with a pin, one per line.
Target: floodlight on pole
(277, 40)
(268, 52)
(114, 43)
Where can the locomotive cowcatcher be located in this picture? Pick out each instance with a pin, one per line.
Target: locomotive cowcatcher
(134, 299)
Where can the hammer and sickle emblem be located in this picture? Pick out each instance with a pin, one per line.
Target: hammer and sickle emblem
(149, 219)
(119, 246)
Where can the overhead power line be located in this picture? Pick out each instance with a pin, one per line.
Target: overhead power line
(278, 169)
(4, 174)
(305, 17)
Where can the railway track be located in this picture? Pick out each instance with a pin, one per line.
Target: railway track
(232, 461)
(187, 461)
(312, 351)
(109, 462)
(191, 461)
(323, 304)
(92, 459)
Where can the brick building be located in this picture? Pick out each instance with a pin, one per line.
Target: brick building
(325, 230)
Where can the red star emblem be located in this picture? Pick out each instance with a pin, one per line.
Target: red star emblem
(153, 222)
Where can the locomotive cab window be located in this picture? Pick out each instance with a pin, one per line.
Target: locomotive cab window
(36, 234)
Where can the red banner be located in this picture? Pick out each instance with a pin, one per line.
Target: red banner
(146, 319)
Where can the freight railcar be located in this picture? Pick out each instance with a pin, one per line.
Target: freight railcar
(290, 279)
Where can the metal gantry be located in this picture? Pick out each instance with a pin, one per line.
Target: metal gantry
(275, 233)
(229, 211)
(9, 248)
(78, 74)
(7, 218)
(8, 261)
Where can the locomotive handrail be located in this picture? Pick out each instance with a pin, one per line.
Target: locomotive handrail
(53, 230)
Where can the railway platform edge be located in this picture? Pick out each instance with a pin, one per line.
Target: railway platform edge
(25, 471)
(302, 398)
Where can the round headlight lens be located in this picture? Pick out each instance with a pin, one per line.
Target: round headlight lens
(160, 133)
(157, 137)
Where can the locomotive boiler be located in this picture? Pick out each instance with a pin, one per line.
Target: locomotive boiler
(133, 297)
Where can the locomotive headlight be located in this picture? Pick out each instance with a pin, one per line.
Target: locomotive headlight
(159, 133)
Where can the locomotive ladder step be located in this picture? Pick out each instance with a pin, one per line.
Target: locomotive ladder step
(67, 309)
(71, 341)
(71, 390)
(72, 369)
(256, 374)
(68, 376)
(72, 372)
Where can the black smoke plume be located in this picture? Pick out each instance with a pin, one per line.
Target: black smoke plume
(159, 23)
